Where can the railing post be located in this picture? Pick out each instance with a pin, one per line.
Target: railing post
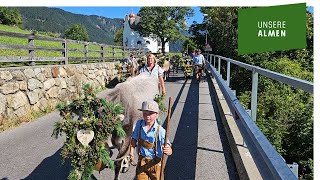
(65, 52)
(102, 54)
(86, 52)
(214, 61)
(219, 64)
(113, 52)
(254, 95)
(31, 49)
(228, 73)
(123, 52)
(210, 58)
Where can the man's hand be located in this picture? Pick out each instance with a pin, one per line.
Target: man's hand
(167, 150)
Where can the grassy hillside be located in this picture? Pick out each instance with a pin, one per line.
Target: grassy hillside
(55, 20)
(42, 43)
(45, 19)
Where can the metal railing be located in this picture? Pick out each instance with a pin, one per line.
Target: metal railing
(275, 163)
(291, 81)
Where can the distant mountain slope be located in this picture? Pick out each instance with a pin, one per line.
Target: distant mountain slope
(177, 46)
(100, 29)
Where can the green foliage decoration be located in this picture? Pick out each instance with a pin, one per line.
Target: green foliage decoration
(88, 113)
(124, 71)
(160, 99)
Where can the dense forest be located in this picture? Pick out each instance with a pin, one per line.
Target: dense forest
(285, 114)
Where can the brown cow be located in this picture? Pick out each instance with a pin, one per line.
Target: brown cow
(130, 94)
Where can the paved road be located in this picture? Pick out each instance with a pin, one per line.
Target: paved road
(200, 148)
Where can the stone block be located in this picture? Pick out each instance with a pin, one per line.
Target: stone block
(54, 92)
(23, 85)
(9, 88)
(37, 71)
(41, 77)
(55, 72)
(34, 84)
(17, 100)
(3, 103)
(29, 73)
(18, 75)
(49, 83)
(33, 96)
(62, 72)
(5, 75)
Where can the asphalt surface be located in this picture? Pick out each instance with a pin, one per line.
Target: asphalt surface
(200, 147)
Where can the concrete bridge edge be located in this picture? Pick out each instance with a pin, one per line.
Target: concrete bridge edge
(246, 167)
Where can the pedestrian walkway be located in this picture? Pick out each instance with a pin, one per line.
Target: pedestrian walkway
(200, 146)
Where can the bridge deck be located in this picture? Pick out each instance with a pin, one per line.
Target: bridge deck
(200, 147)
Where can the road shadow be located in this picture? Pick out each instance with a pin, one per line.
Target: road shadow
(51, 169)
(174, 105)
(231, 167)
(182, 163)
(176, 77)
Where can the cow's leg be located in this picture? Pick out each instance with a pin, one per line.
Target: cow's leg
(117, 170)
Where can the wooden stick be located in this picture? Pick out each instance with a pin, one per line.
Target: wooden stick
(166, 139)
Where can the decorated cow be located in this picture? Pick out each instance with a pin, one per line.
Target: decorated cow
(130, 94)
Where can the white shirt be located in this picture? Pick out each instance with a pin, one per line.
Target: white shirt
(156, 70)
(198, 59)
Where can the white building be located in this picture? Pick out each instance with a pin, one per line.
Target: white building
(132, 38)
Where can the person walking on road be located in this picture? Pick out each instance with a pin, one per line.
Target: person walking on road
(199, 63)
(148, 136)
(154, 69)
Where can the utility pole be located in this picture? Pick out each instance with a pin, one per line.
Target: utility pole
(206, 15)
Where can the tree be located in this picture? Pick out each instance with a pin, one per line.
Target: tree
(11, 17)
(118, 38)
(76, 32)
(285, 114)
(163, 23)
(189, 45)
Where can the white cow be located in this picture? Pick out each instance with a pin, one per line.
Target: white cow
(130, 94)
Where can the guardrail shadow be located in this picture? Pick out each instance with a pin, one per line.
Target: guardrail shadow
(51, 169)
(182, 163)
(231, 167)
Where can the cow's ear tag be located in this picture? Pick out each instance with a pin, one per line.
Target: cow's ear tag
(85, 136)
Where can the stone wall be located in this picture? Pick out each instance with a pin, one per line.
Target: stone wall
(23, 90)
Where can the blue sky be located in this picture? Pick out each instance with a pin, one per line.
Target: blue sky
(120, 12)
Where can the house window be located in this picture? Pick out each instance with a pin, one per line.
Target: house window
(147, 42)
(139, 42)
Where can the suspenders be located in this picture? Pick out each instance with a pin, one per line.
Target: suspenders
(147, 144)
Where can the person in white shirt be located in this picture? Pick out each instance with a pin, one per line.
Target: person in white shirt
(199, 63)
(154, 69)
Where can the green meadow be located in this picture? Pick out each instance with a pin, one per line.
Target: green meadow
(48, 44)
